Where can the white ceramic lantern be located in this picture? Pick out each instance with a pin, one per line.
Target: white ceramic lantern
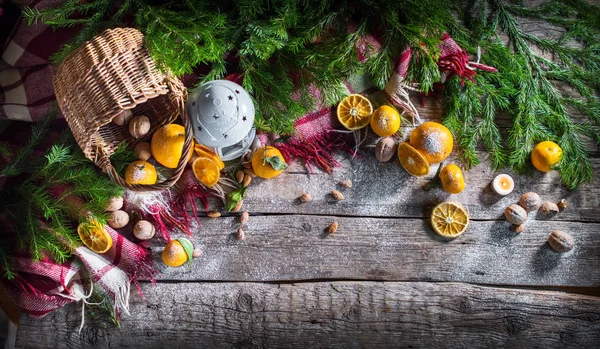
(222, 114)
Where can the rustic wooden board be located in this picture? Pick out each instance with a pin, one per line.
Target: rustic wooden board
(284, 247)
(387, 190)
(330, 315)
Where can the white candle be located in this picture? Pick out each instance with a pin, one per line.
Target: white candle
(503, 184)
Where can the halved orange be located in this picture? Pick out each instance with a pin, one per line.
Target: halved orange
(205, 152)
(94, 236)
(412, 160)
(449, 219)
(354, 112)
(206, 171)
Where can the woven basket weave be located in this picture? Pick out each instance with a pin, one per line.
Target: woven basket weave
(111, 73)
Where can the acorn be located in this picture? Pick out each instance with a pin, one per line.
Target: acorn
(530, 201)
(549, 207)
(118, 219)
(144, 230)
(515, 214)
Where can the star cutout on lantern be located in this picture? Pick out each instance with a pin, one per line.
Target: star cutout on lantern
(230, 98)
(216, 116)
(237, 92)
(224, 135)
(244, 118)
(200, 128)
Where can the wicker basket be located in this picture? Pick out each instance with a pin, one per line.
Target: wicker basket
(111, 73)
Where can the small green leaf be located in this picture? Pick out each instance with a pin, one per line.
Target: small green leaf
(234, 197)
(188, 247)
(276, 162)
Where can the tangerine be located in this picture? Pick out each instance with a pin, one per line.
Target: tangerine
(206, 171)
(385, 121)
(449, 219)
(546, 155)
(263, 167)
(412, 160)
(452, 179)
(167, 145)
(140, 172)
(354, 112)
(432, 139)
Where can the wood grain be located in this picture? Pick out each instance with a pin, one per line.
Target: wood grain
(284, 247)
(387, 190)
(330, 315)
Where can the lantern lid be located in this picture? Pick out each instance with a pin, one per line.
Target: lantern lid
(221, 112)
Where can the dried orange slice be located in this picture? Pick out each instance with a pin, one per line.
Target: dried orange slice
(449, 219)
(354, 112)
(206, 171)
(94, 236)
(412, 160)
(205, 152)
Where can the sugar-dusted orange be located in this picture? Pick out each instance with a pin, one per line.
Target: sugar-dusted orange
(354, 112)
(264, 159)
(206, 171)
(452, 179)
(177, 252)
(94, 236)
(140, 172)
(167, 145)
(412, 160)
(205, 152)
(432, 139)
(546, 155)
(385, 121)
(449, 219)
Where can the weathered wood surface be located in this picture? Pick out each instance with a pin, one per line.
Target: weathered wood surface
(331, 315)
(387, 190)
(283, 248)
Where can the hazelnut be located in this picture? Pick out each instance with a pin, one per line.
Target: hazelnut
(337, 195)
(139, 126)
(305, 197)
(122, 118)
(144, 230)
(143, 151)
(118, 219)
(549, 207)
(560, 241)
(332, 228)
(385, 149)
(114, 203)
(517, 228)
(530, 201)
(515, 214)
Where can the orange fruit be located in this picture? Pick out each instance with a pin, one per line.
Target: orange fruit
(449, 219)
(94, 236)
(432, 139)
(452, 179)
(206, 171)
(354, 112)
(167, 145)
(262, 167)
(140, 172)
(177, 252)
(205, 152)
(545, 155)
(385, 121)
(412, 160)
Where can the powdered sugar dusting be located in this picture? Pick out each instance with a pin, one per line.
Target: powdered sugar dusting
(433, 143)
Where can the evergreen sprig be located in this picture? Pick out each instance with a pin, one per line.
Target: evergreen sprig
(285, 48)
(46, 205)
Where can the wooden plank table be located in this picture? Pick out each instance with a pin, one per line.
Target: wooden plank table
(385, 279)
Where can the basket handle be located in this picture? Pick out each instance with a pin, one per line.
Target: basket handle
(181, 94)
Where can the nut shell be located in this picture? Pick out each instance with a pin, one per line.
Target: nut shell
(240, 234)
(115, 203)
(530, 201)
(515, 214)
(144, 230)
(305, 197)
(197, 253)
(244, 217)
(385, 149)
(122, 118)
(143, 151)
(139, 126)
(549, 207)
(562, 204)
(118, 219)
(332, 228)
(560, 241)
(337, 195)
(346, 183)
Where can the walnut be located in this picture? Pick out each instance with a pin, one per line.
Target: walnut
(385, 149)
(530, 201)
(549, 207)
(122, 118)
(115, 203)
(139, 126)
(118, 219)
(144, 230)
(515, 214)
(560, 241)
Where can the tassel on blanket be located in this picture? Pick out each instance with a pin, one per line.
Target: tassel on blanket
(455, 60)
